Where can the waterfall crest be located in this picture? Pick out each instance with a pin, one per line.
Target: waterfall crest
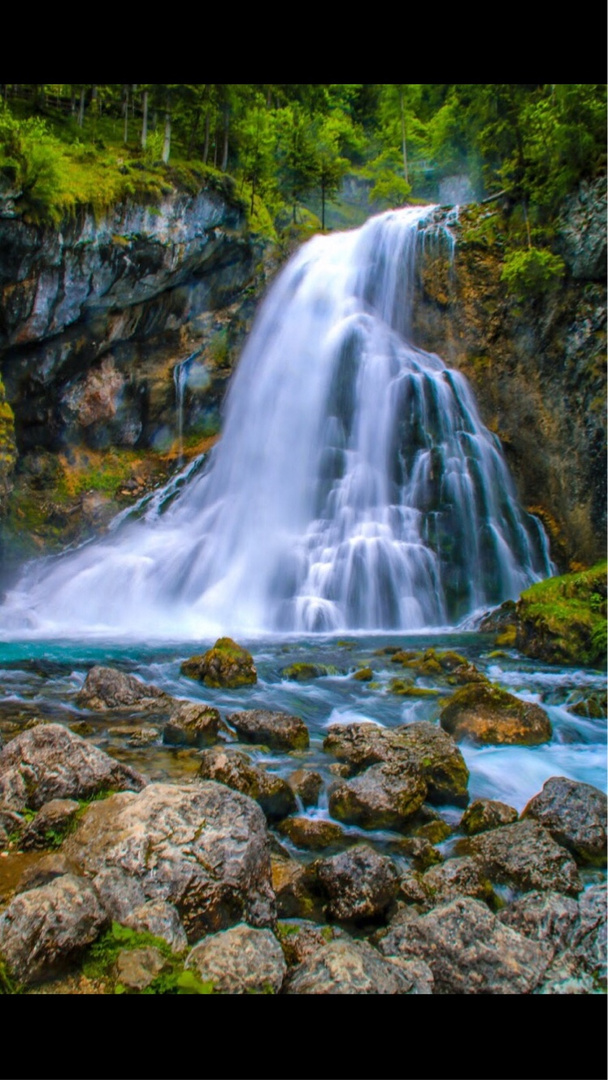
(354, 486)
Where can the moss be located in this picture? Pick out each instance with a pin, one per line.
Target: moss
(302, 672)
(398, 686)
(563, 619)
(364, 674)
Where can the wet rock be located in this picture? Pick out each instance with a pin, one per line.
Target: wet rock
(137, 736)
(345, 966)
(300, 938)
(297, 890)
(136, 969)
(364, 674)
(311, 833)
(468, 950)
(359, 883)
(484, 814)
(234, 769)
(575, 815)
(160, 919)
(46, 870)
(463, 876)
(280, 731)
(435, 831)
(50, 824)
(192, 724)
(466, 673)
(306, 785)
(50, 762)
(527, 857)
(108, 688)
(226, 664)
(383, 797)
(487, 714)
(543, 916)
(420, 851)
(200, 846)
(82, 727)
(240, 961)
(302, 672)
(592, 706)
(589, 946)
(45, 930)
(422, 745)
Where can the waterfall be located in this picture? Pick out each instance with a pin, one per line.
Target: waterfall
(354, 487)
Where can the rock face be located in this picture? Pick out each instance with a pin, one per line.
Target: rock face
(50, 762)
(486, 714)
(241, 960)
(45, 930)
(468, 950)
(200, 847)
(280, 731)
(107, 688)
(575, 815)
(226, 664)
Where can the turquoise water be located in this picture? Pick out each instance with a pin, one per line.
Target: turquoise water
(42, 678)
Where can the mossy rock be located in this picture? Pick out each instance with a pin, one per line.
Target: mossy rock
(404, 689)
(364, 674)
(304, 672)
(486, 714)
(563, 619)
(226, 664)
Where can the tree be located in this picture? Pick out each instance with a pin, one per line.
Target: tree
(296, 157)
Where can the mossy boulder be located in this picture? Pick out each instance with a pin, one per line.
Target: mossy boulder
(385, 796)
(563, 620)
(234, 769)
(280, 731)
(304, 672)
(484, 814)
(312, 834)
(364, 674)
(487, 714)
(225, 665)
(192, 724)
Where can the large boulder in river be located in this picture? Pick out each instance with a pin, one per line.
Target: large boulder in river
(280, 731)
(575, 815)
(51, 762)
(526, 856)
(192, 724)
(45, 930)
(486, 714)
(108, 688)
(226, 664)
(234, 769)
(421, 746)
(385, 796)
(198, 846)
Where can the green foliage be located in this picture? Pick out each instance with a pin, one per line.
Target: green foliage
(532, 272)
(7, 983)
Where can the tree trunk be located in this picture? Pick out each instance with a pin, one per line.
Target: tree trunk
(226, 129)
(144, 121)
(167, 141)
(126, 114)
(403, 139)
(81, 109)
(207, 130)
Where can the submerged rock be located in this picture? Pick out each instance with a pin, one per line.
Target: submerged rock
(45, 930)
(487, 714)
(303, 672)
(241, 960)
(226, 664)
(280, 731)
(233, 768)
(50, 762)
(108, 688)
(201, 847)
(575, 815)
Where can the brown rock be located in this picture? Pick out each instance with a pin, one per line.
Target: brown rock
(487, 714)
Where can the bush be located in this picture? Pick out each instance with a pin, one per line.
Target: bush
(532, 272)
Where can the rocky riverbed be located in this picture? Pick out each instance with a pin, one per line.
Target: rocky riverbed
(161, 833)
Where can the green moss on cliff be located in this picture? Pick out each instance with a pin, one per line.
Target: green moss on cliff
(563, 619)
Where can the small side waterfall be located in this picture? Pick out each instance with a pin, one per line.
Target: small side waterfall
(354, 486)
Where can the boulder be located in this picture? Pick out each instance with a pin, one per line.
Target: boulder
(192, 724)
(383, 797)
(527, 857)
(311, 833)
(462, 876)
(241, 960)
(279, 731)
(575, 815)
(136, 969)
(296, 888)
(46, 930)
(306, 786)
(50, 824)
(226, 664)
(300, 938)
(345, 966)
(51, 762)
(484, 814)
(234, 769)
(487, 714)
(359, 883)
(199, 846)
(468, 950)
(108, 688)
(161, 919)
(303, 672)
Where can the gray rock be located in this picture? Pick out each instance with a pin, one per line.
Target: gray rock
(241, 960)
(161, 919)
(280, 731)
(192, 724)
(50, 762)
(581, 235)
(345, 966)
(548, 917)
(383, 797)
(50, 824)
(45, 930)
(575, 815)
(233, 768)
(119, 892)
(468, 950)
(45, 870)
(136, 969)
(526, 856)
(457, 877)
(484, 814)
(200, 846)
(108, 688)
(359, 883)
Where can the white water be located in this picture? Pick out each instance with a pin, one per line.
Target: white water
(354, 486)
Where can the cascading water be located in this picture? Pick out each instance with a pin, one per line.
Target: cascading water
(354, 486)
